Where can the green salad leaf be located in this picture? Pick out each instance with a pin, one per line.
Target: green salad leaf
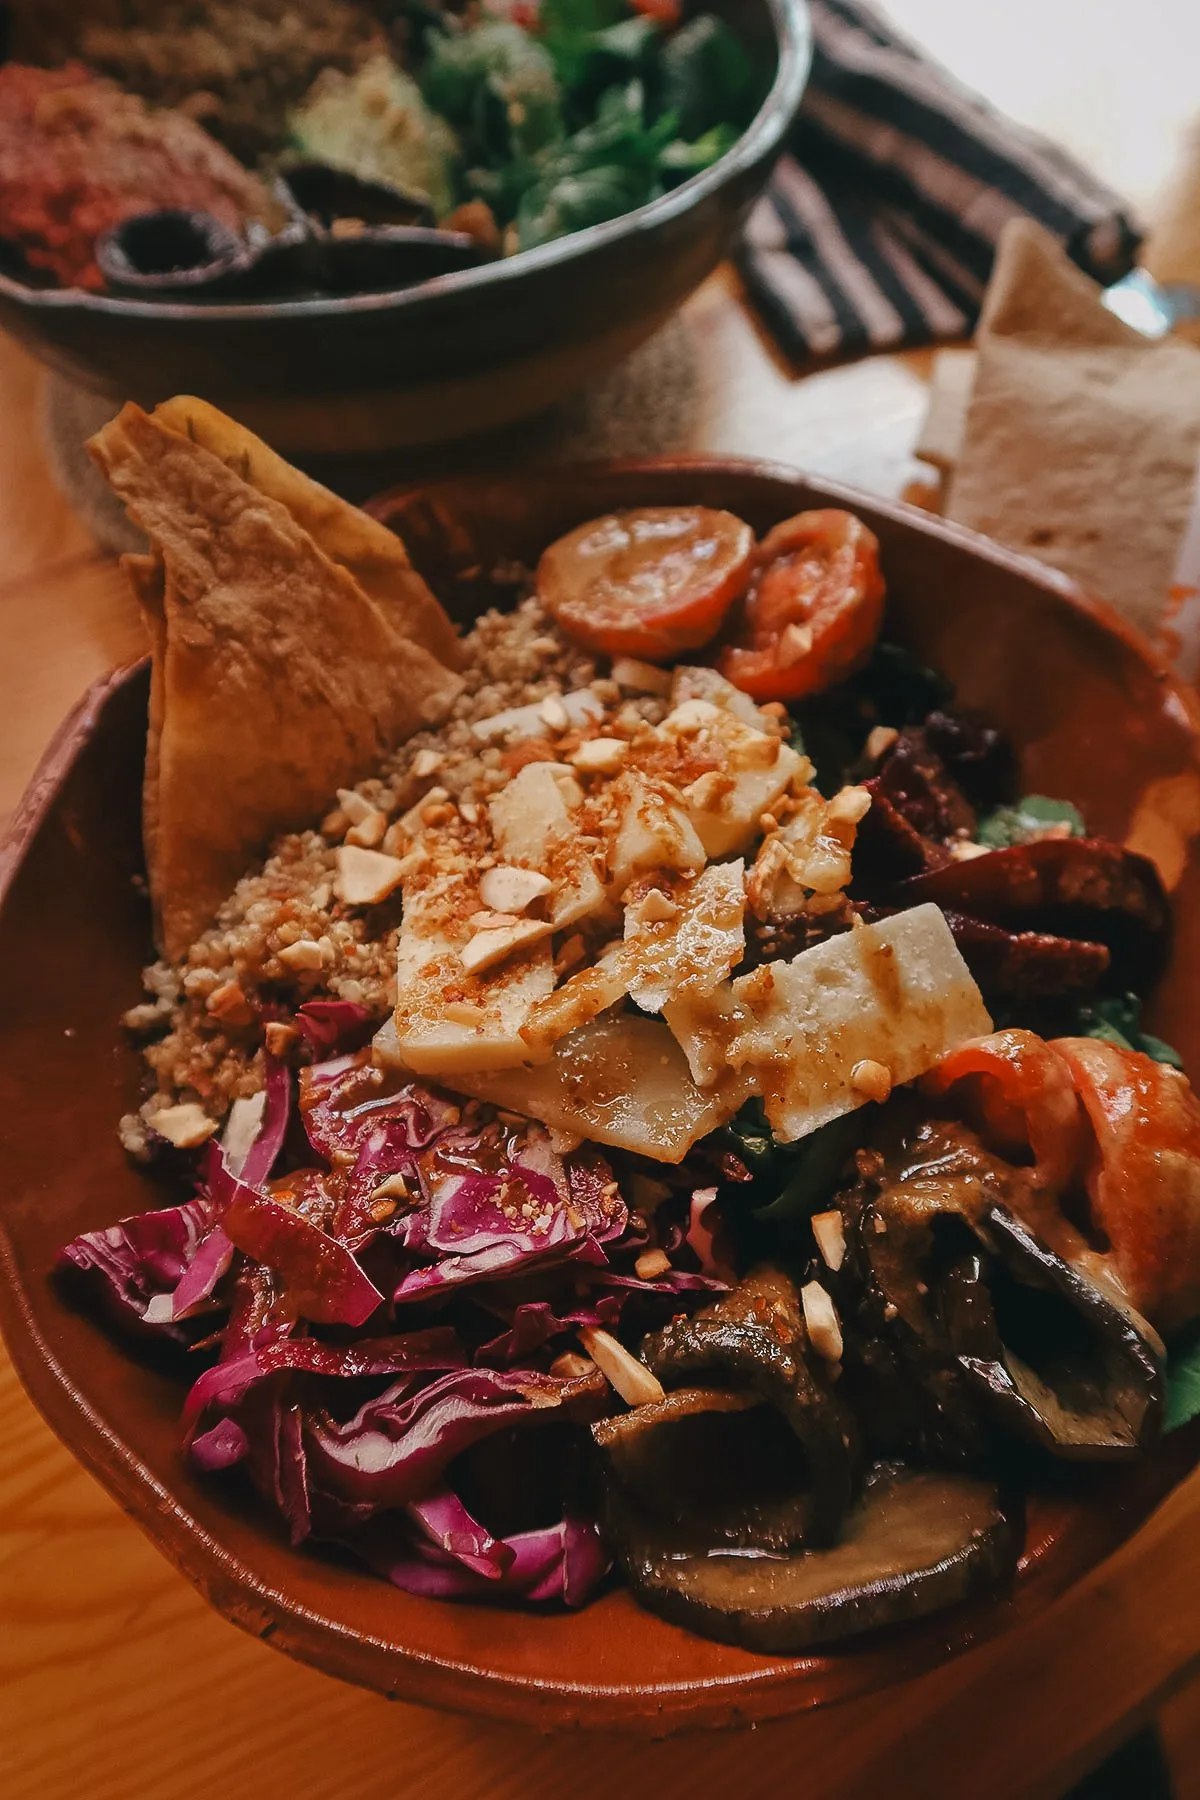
(1027, 821)
(1117, 1020)
(594, 113)
(680, 160)
(498, 87)
(790, 1180)
(601, 171)
(1183, 1384)
(707, 77)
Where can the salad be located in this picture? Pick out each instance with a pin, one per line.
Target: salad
(684, 1118)
(234, 152)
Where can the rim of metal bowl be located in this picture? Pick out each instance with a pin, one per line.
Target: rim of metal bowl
(793, 33)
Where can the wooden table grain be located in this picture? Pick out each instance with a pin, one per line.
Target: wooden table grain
(115, 1678)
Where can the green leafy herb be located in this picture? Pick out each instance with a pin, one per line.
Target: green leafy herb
(594, 44)
(597, 112)
(498, 87)
(1117, 1020)
(602, 171)
(810, 1171)
(1183, 1384)
(791, 1180)
(707, 77)
(680, 160)
(752, 1138)
(1027, 821)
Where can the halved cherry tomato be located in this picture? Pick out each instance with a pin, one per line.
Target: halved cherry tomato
(813, 610)
(1018, 1092)
(651, 582)
(1144, 1180)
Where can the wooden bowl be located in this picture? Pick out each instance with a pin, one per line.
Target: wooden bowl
(1098, 720)
(456, 355)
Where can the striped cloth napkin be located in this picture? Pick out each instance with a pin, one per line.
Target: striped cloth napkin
(879, 227)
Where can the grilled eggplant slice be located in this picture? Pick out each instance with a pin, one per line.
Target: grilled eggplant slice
(915, 1543)
(960, 1319)
(768, 1460)
(1052, 1357)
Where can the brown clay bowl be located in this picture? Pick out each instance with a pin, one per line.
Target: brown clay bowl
(1098, 720)
(455, 355)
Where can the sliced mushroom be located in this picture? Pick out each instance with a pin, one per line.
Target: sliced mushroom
(715, 1466)
(899, 1377)
(960, 1318)
(915, 1543)
(1051, 1355)
(752, 1343)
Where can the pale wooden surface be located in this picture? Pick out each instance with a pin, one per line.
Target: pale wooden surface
(114, 1676)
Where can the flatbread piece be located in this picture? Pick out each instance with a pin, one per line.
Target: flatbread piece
(277, 678)
(1082, 439)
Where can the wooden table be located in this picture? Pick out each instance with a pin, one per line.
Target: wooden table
(114, 1676)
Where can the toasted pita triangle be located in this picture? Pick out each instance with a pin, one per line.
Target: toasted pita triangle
(277, 679)
(374, 555)
(1082, 437)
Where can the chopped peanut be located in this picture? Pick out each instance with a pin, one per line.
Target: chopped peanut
(871, 1079)
(651, 1264)
(305, 954)
(631, 1378)
(279, 1037)
(830, 1233)
(821, 1322)
(511, 890)
(185, 1125)
(365, 877)
(368, 831)
(600, 756)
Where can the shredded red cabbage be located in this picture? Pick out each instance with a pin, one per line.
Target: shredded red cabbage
(466, 1223)
(330, 1027)
(129, 1266)
(559, 1564)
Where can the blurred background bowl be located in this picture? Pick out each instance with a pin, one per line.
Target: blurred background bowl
(457, 355)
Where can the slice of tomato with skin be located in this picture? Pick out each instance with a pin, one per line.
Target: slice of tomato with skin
(1144, 1179)
(1019, 1093)
(651, 582)
(814, 607)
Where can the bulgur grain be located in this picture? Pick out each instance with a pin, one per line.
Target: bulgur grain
(512, 659)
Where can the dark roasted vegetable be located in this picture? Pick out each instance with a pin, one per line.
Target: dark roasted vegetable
(919, 785)
(914, 1544)
(1034, 965)
(754, 1342)
(716, 1466)
(1055, 1360)
(1069, 887)
(976, 754)
(958, 1317)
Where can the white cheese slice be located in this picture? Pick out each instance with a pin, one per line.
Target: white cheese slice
(750, 771)
(690, 950)
(533, 829)
(434, 1037)
(648, 831)
(897, 993)
(621, 1081)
